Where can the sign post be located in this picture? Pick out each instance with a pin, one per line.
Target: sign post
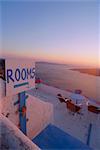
(19, 75)
(22, 112)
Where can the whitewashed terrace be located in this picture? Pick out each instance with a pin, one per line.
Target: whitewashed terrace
(76, 125)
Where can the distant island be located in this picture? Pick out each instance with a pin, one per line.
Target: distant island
(51, 63)
(85, 69)
(91, 71)
(60, 64)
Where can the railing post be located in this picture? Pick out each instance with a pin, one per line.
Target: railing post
(89, 134)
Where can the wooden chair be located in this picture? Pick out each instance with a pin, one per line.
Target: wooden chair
(72, 107)
(61, 99)
(93, 109)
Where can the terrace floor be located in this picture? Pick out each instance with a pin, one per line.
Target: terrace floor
(76, 125)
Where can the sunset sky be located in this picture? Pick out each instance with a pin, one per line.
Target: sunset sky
(64, 32)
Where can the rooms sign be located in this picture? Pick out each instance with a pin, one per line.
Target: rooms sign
(20, 75)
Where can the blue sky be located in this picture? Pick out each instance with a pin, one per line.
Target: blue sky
(65, 32)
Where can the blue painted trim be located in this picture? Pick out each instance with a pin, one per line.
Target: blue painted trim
(22, 84)
(22, 118)
(89, 134)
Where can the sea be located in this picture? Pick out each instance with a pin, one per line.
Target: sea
(62, 77)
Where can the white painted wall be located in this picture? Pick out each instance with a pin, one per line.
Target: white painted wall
(7, 104)
(40, 114)
(8, 107)
(12, 138)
